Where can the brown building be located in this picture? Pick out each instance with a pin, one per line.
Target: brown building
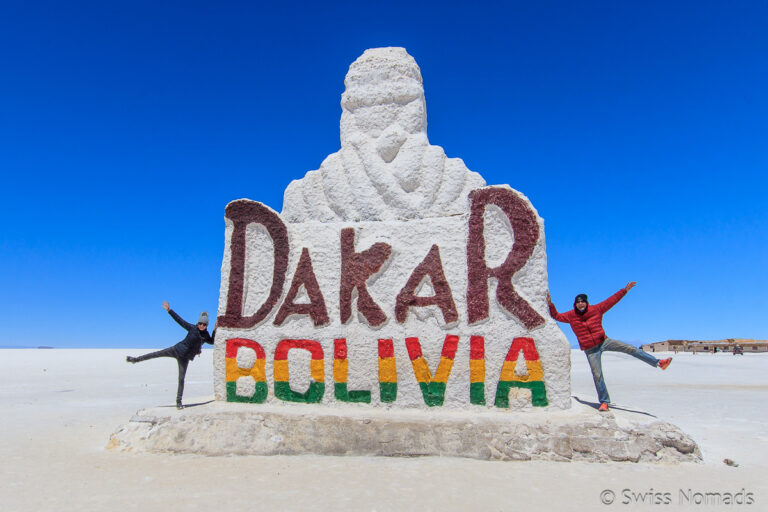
(695, 346)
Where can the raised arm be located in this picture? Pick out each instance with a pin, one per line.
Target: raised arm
(616, 297)
(553, 311)
(176, 317)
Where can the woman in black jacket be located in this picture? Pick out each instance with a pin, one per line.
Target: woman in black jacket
(185, 350)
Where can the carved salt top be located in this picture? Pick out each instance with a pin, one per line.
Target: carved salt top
(386, 168)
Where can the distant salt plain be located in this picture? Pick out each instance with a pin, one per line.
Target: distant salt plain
(58, 408)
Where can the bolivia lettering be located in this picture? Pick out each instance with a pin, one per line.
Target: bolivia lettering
(246, 381)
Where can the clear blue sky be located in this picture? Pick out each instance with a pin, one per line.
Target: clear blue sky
(638, 130)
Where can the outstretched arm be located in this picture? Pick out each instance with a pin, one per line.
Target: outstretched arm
(176, 317)
(553, 311)
(616, 297)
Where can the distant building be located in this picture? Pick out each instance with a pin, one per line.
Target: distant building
(696, 346)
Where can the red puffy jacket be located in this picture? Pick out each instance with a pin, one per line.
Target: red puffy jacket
(588, 327)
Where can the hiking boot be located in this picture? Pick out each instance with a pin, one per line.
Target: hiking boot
(603, 408)
(664, 363)
(179, 406)
(130, 359)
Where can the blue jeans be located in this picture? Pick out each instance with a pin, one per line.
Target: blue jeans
(594, 356)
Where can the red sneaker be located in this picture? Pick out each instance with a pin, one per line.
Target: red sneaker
(664, 363)
(603, 408)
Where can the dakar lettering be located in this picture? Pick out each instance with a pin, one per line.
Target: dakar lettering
(246, 372)
(357, 266)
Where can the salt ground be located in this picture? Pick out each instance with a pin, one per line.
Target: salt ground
(59, 407)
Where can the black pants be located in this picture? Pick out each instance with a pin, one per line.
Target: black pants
(180, 359)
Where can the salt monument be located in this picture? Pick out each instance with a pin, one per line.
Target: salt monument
(393, 277)
(396, 306)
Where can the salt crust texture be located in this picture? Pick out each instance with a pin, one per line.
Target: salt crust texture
(390, 185)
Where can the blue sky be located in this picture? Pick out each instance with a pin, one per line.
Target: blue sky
(639, 131)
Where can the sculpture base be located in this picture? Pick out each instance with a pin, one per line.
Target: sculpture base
(577, 434)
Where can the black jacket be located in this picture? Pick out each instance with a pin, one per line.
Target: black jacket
(190, 346)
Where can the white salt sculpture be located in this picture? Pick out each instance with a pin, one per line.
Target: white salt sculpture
(390, 264)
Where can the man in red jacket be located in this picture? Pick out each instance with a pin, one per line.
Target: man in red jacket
(587, 324)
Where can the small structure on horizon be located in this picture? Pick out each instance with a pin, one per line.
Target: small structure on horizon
(749, 346)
